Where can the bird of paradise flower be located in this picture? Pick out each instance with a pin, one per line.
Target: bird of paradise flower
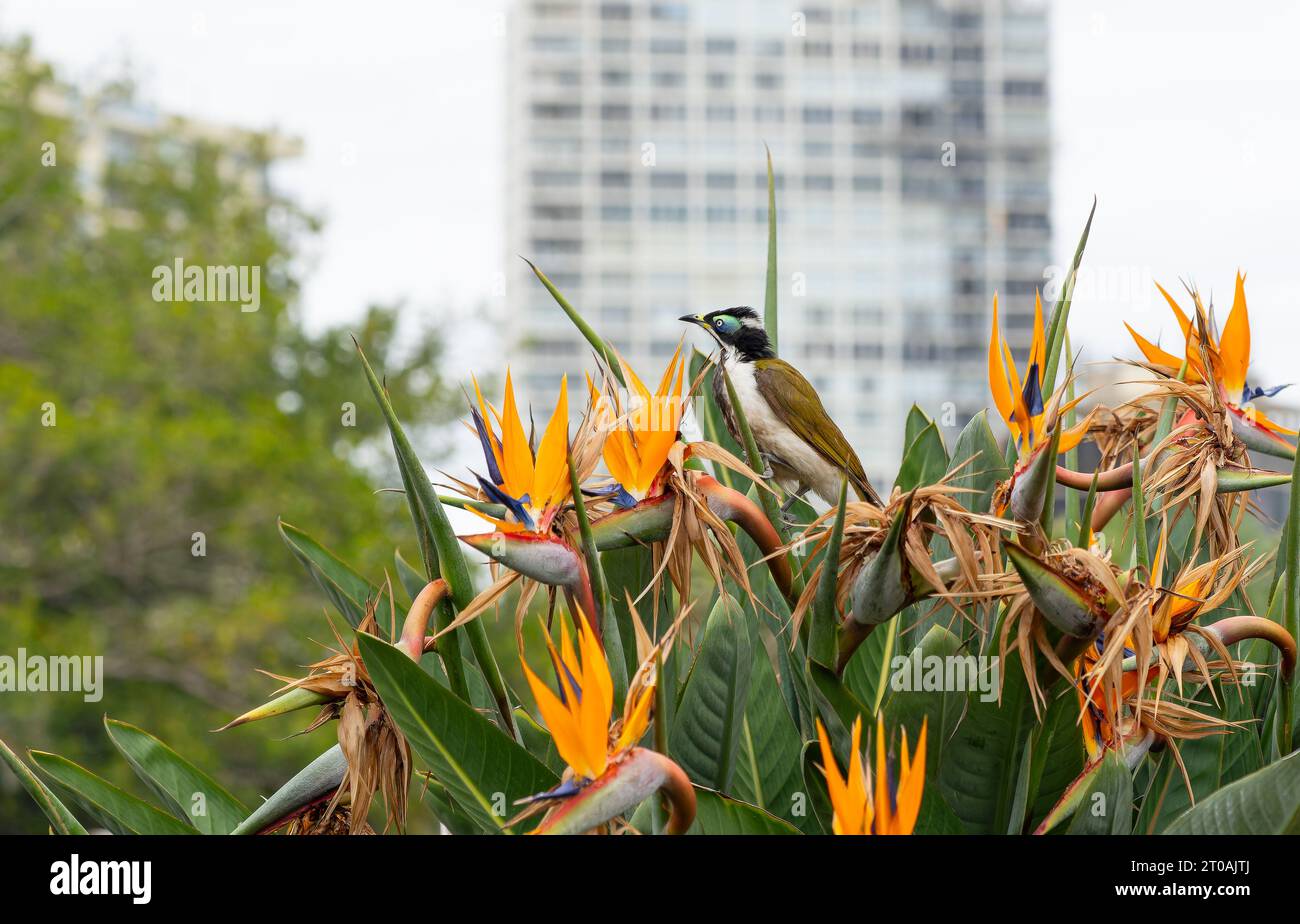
(887, 804)
(1228, 355)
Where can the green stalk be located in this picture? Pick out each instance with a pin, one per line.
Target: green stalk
(598, 343)
(769, 302)
(1072, 457)
(1056, 329)
(1290, 615)
(613, 644)
(1140, 547)
(1085, 521)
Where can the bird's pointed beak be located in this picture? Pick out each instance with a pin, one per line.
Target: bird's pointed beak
(693, 319)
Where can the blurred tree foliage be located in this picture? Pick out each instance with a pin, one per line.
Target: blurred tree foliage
(171, 419)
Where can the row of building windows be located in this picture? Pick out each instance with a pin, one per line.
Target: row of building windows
(908, 53)
(969, 114)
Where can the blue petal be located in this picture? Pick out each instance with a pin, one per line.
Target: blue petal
(1033, 392)
(615, 492)
(1249, 394)
(563, 791)
(501, 497)
(488, 455)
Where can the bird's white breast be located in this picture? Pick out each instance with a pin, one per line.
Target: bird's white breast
(778, 440)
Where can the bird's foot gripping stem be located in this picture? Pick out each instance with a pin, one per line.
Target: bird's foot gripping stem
(786, 516)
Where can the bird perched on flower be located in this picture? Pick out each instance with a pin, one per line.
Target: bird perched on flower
(801, 445)
(892, 804)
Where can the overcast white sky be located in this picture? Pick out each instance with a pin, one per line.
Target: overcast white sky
(1180, 115)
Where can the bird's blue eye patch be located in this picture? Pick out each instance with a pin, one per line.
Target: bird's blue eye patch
(726, 323)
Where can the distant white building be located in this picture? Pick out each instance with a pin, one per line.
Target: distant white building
(912, 150)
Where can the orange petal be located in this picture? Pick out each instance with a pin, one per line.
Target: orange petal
(911, 783)
(551, 479)
(516, 455)
(1154, 354)
(1234, 343)
(998, 371)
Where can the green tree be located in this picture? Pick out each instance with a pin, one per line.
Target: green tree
(173, 423)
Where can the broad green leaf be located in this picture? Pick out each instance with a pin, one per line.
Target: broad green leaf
(346, 589)
(925, 462)
(770, 774)
(986, 466)
(716, 814)
(61, 820)
(1266, 802)
(187, 791)
(982, 761)
(706, 731)
(866, 675)
(114, 808)
(922, 693)
(484, 771)
(814, 783)
(1106, 804)
(935, 816)
(1057, 755)
(837, 707)
(917, 420)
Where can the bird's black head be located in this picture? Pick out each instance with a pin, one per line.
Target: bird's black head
(739, 329)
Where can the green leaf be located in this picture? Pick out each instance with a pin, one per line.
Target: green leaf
(176, 781)
(717, 814)
(866, 676)
(770, 774)
(597, 342)
(1061, 313)
(770, 294)
(412, 581)
(985, 468)
(825, 615)
(1266, 802)
(982, 761)
(316, 781)
(113, 808)
(925, 462)
(431, 524)
(917, 420)
(61, 820)
(922, 695)
(347, 590)
(484, 771)
(706, 732)
(1106, 805)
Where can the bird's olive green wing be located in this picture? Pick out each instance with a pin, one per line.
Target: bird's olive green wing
(794, 400)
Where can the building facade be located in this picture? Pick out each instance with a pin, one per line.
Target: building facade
(911, 145)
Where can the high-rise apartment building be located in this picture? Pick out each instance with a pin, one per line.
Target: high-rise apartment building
(911, 145)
